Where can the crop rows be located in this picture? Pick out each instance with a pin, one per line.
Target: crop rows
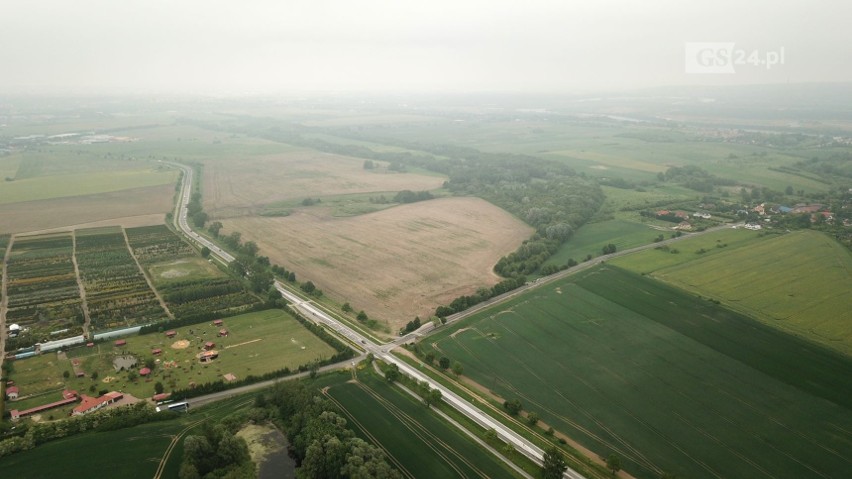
(44, 297)
(157, 243)
(667, 381)
(223, 296)
(116, 291)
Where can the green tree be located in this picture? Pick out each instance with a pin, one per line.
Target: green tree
(215, 227)
(205, 252)
(132, 375)
(458, 369)
(308, 287)
(513, 406)
(369, 165)
(347, 308)
(554, 464)
(532, 419)
(158, 388)
(250, 248)
(94, 375)
(613, 463)
(365, 461)
(444, 362)
(362, 316)
(66, 374)
(392, 373)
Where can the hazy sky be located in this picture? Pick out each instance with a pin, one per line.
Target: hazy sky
(210, 46)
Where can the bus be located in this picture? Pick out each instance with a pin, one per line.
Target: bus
(177, 407)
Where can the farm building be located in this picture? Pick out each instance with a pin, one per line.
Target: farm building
(14, 330)
(90, 404)
(12, 392)
(90, 345)
(144, 372)
(753, 226)
(69, 393)
(208, 356)
(209, 345)
(218, 322)
(171, 334)
(223, 332)
(120, 342)
(44, 407)
(156, 351)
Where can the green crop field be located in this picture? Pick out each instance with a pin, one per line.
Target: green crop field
(798, 282)
(419, 443)
(257, 343)
(667, 381)
(686, 250)
(591, 238)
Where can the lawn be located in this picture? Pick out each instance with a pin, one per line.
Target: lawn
(798, 282)
(257, 343)
(417, 441)
(666, 381)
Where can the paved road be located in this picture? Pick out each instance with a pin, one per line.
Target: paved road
(315, 314)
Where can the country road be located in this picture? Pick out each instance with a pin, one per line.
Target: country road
(310, 311)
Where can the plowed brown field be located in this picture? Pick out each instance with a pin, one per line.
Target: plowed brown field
(395, 263)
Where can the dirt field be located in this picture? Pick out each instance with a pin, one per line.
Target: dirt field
(233, 186)
(396, 263)
(129, 208)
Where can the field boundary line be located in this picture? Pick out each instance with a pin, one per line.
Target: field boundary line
(87, 323)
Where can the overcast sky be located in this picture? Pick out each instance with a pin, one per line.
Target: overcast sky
(210, 46)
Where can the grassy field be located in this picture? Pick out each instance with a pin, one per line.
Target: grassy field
(81, 184)
(798, 282)
(417, 441)
(257, 343)
(685, 251)
(397, 263)
(667, 381)
(591, 238)
(183, 269)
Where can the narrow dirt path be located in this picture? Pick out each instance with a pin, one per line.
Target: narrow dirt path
(145, 275)
(4, 302)
(83, 303)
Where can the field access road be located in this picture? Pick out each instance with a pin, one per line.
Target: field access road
(310, 311)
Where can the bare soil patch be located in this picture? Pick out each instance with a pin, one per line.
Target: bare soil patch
(236, 186)
(397, 263)
(182, 344)
(129, 208)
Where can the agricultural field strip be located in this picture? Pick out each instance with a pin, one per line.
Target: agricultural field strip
(524, 446)
(42, 291)
(117, 292)
(146, 276)
(7, 243)
(428, 433)
(84, 305)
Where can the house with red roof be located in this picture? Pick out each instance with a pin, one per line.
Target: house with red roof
(120, 342)
(156, 351)
(209, 345)
(90, 404)
(12, 392)
(144, 371)
(218, 322)
(223, 332)
(171, 334)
